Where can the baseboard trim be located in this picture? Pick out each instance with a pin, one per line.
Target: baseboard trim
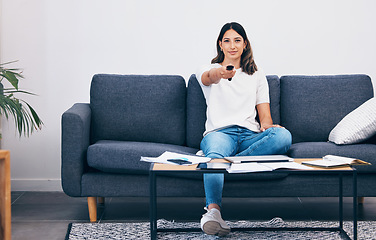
(36, 185)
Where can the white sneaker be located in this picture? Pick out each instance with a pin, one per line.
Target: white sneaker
(213, 224)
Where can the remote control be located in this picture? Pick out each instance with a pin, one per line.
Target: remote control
(229, 68)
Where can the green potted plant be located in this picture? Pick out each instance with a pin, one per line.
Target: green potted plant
(25, 117)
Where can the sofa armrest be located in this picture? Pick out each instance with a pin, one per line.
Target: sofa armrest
(75, 139)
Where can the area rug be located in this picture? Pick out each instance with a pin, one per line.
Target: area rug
(120, 231)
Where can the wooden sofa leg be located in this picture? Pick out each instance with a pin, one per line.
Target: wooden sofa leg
(92, 204)
(360, 200)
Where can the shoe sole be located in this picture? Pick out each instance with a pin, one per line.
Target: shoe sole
(214, 228)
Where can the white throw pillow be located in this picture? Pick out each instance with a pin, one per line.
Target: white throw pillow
(356, 126)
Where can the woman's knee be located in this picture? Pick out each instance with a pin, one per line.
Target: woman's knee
(217, 145)
(283, 138)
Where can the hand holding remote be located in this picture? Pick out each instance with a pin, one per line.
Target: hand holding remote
(229, 68)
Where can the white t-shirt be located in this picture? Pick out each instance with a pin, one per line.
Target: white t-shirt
(234, 102)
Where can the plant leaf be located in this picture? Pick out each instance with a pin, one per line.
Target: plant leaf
(38, 122)
(1, 64)
(25, 118)
(11, 77)
(13, 90)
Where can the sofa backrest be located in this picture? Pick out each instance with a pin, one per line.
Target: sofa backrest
(196, 113)
(311, 106)
(138, 108)
(196, 108)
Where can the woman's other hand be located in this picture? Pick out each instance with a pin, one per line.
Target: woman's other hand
(266, 126)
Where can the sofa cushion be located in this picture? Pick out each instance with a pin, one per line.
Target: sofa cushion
(365, 152)
(312, 105)
(357, 126)
(196, 108)
(124, 157)
(138, 108)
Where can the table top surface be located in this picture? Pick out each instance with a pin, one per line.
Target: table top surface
(172, 167)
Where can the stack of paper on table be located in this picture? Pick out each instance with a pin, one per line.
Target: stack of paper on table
(335, 161)
(191, 159)
(264, 167)
(262, 158)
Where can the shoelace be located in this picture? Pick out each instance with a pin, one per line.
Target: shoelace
(208, 212)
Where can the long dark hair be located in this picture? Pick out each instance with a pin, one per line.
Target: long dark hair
(247, 63)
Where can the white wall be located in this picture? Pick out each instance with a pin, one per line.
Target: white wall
(60, 44)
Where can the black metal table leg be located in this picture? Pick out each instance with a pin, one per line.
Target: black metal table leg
(355, 204)
(153, 205)
(340, 198)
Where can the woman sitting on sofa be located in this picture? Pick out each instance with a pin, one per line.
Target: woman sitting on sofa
(236, 90)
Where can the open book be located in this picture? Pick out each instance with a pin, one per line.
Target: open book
(335, 161)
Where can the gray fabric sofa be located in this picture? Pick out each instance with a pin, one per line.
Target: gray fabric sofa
(130, 116)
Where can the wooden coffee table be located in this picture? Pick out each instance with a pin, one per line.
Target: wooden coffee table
(157, 168)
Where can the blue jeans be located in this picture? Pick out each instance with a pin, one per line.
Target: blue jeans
(239, 141)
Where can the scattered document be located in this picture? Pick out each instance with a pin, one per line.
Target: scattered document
(286, 165)
(335, 161)
(264, 167)
(262, 158)
(176, 159)
(248, 167)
